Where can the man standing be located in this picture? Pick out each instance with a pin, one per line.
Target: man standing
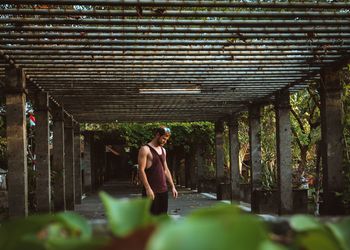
(154, 171)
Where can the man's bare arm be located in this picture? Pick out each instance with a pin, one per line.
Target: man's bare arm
(142, 161)
(170, 179)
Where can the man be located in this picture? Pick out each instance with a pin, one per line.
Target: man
(154, 172)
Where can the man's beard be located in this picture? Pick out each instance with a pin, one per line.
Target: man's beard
(159, 142)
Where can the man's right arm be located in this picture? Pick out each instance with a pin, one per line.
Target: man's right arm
(142, 161)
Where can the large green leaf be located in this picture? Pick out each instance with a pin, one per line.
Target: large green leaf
(77, 225)
(302, 223)
(269, 245)
(234, 232)
(76, 244)
(317, 240)
(124, 215)
(219, 210)
(341, 231)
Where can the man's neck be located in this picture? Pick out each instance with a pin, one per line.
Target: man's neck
(154, 144)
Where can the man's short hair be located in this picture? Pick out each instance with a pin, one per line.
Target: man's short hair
(162, 130)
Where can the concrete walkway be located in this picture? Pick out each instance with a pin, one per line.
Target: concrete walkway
(188, 200)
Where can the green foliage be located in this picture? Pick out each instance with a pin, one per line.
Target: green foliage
(126, 216)
(268, 147)
(221, 226)
(60, 231)
(137, 134)
(213, 228)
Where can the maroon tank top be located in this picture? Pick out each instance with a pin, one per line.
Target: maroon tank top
(155, 173)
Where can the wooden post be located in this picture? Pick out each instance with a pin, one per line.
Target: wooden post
(332, 141)
(200, 162)
(16, 132)
(87, 162)
(193, 170)
(69, 162)
(255, 154)
(234, 158)
(77, 164)
(220, 159)
(284, 154)
(42, 151)
(58, 162)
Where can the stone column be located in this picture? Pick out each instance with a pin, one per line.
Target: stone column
(58, 162)
(16, 132)
(234, 158)
(332, 141)
(220, 158)
(255, 154)
(77, 164)
(188, 170)
(69, 162)
(87, 161)
(94, 162)
(173, 167)
(200, 162)
(284, 154)
(193, 169)
(42, 150)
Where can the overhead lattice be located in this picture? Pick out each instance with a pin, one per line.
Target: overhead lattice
(146, 60)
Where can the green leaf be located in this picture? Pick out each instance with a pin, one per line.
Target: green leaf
(219, 210)
(78, 225)
(302, 223)
(269, 245)
(341, 231)
(317, 239)
(15, 234)
(76, 244)
(241, 231)
(124, 216)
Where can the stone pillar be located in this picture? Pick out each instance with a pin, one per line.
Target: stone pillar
(77, 165)
(255, 154)
(284, 154)
(58, 161)
(193, 169)
(332, 141)
(188, 170)
(42, 150)
(234, 158)
(16, 132)
(94, 162)
(174, 167)
(200, 162)
(69, 162)
(87, 161)
(220, 158)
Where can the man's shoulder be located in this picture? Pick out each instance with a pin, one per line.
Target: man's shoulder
(144, 148)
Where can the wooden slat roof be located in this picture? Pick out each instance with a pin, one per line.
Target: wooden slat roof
(96, 57)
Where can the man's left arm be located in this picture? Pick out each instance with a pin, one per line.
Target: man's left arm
(169, 178)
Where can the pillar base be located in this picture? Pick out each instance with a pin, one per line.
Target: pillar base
(332, 205)
(223, 191)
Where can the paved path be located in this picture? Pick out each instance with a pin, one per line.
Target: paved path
(188, 200)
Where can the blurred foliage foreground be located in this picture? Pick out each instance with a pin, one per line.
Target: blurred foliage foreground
(131, 226)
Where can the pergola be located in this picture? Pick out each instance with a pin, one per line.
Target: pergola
(170, 60)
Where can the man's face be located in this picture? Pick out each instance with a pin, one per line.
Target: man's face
(162, 139)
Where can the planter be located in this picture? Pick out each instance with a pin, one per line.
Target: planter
(265, 201)
(223, 191)
(245, 192)
(338, 207)
(207, 186)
